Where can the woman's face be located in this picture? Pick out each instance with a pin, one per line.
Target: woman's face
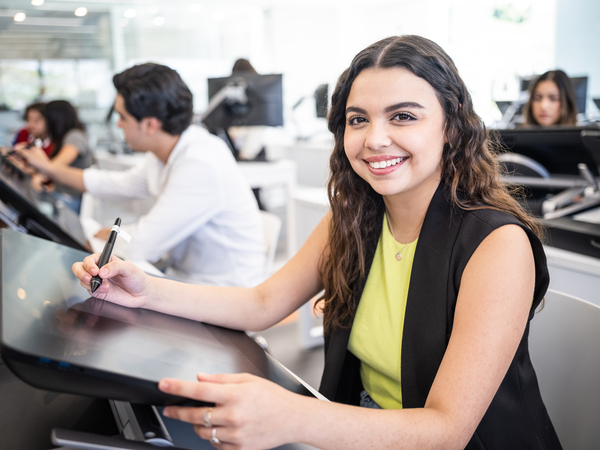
(394, 133)
(545, 105)
(36, 124)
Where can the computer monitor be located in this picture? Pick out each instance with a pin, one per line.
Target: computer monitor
(55, 337)
(579, 87)
(597, 102)
(322, 100)
(37, 213)
(558, 149)
(264, 105)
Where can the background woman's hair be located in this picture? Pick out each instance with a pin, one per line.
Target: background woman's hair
(568, 105)
(469, 168)
(39, 107)
(154, 90)
(61, 117)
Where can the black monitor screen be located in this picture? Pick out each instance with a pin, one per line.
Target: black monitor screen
(322, 100)
(263, 107)
(558, 149)
(55, 337)
(38, 212)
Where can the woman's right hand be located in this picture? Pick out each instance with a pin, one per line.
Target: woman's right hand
(123, 282)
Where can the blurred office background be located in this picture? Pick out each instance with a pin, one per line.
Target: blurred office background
(70, 49)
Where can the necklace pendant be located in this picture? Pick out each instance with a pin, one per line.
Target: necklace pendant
(398, 256)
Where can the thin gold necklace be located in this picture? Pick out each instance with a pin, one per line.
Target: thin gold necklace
(399, 253)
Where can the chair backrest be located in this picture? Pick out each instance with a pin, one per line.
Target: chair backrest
(564, 344)
(521, 165)
(271, 228)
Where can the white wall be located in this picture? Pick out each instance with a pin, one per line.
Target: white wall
(578, 41)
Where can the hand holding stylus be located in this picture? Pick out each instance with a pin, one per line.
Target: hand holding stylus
(106, 252)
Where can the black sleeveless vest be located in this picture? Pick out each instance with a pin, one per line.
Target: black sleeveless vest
(517, 417)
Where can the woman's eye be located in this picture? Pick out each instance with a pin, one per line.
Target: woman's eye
(355, 120)
(404, 117)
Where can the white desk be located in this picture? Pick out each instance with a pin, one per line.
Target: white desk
(309, 205)
(275, 173)
(311, 158)
(574, 274)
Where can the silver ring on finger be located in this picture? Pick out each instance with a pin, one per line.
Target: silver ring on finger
(213, 438)
(208, 417)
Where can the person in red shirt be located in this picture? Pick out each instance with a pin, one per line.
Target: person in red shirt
(35, 128)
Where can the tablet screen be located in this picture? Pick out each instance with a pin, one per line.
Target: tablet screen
(39, 212)
(47, 315)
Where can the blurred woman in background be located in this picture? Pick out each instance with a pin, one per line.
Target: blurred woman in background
(35, 128)
(551, 100)
(70, 147)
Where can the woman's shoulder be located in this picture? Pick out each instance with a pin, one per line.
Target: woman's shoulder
(77, 138)
(493, 217)
(75, 133)
(483, 222)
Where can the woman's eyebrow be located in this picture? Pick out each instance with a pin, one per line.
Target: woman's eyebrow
(350, 109)
(403, 105)
(390, 108)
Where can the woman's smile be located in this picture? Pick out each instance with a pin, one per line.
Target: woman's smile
(383, 165)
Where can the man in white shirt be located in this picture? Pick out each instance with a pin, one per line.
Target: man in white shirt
(204, 215)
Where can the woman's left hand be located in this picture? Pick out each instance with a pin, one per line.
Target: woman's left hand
(249, 412)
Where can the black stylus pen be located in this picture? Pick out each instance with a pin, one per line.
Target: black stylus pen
(106, 252)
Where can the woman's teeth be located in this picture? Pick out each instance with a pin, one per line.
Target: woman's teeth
(388, 163)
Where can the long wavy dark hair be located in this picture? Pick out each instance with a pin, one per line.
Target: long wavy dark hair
(61, 117)
(568, 104)
(470, 172)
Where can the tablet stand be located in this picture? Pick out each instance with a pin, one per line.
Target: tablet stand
(141, 427)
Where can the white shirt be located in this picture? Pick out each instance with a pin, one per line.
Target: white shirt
(204, 214)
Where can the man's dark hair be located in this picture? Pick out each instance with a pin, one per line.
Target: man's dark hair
(153, 90)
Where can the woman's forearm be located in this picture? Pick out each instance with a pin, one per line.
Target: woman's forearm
(232, 307)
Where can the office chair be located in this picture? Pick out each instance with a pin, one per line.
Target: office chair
(564, 344)
(522, 166)
(271, 228)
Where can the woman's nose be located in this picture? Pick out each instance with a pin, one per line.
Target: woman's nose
(545, 103)
(377, 137)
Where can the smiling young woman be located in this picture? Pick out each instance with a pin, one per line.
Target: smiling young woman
(426, 342)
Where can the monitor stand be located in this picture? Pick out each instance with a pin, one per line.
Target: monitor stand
(142, 427)
(574, 200)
